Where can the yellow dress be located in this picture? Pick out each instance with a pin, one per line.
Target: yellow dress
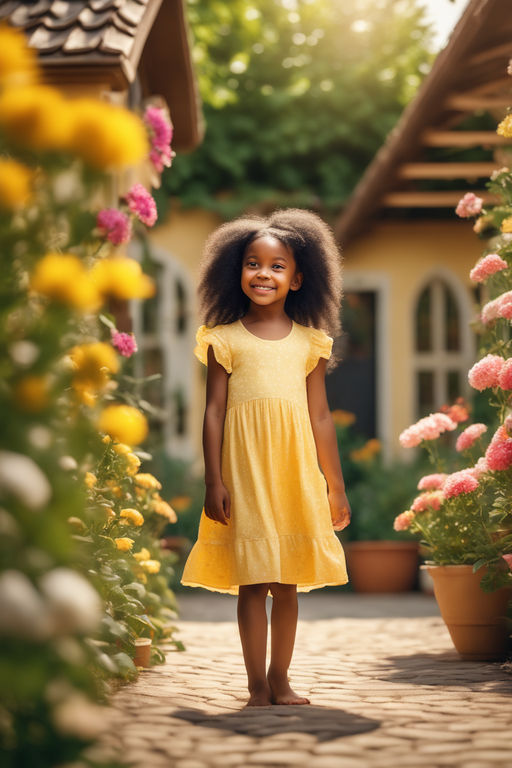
(280, 528)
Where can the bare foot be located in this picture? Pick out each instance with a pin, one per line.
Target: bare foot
(260, 696)
(281, 692)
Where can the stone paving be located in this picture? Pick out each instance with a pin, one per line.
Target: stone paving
(386, 688)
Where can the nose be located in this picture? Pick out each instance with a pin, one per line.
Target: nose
(264, 272)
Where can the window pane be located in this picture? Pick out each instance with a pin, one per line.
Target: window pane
(424, 323)
(425, 385)
(181, 307)
(452, 322)
(453, 385)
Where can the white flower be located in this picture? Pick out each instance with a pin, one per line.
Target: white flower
(79, 716)
(74, 604)
(24, 353)
(22, 611)
(40, 437)
(21, 477)
(67, 463)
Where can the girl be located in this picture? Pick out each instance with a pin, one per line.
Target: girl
(267, 287)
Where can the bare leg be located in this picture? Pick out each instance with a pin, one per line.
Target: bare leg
(252, 624)
(283, 628)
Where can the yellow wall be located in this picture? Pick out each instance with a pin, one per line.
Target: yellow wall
(409, 252)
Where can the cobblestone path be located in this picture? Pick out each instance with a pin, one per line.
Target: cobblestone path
(386, 687)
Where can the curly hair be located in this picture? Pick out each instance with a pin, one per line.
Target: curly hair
(316, 303)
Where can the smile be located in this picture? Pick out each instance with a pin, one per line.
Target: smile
(262, 287)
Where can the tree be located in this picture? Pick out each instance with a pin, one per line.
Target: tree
(297, 95)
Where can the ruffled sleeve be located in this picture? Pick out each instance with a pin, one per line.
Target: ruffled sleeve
(213, 337)
(320, 346)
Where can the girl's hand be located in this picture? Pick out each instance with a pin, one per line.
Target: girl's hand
(217, 503)
(340, 510)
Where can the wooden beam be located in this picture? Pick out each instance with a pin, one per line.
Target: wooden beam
(446, 170)
(434, 199)
(500, 85)
(505, 50)
(433, 138)
(466, 103)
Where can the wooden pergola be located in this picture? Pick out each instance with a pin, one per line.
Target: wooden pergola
(468, 78)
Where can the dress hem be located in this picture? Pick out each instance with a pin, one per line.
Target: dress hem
(234, 589)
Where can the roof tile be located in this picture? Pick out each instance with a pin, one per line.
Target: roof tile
(115, 41)
(131, 11)
(90, 19)
(48, 40)
(63, 14)
(83, 40)
(102, 5)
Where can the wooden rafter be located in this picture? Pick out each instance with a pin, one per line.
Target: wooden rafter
(446, 170)
(429, 199)
(435, 138)
(498, 51)
(468, 103)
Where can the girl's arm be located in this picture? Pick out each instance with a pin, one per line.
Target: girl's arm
(327, 446)
(216, 502)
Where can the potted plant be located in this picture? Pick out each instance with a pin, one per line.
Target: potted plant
(379, 558)
(464, 517)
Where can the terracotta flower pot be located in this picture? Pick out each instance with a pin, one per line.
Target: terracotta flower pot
(142, 657)
(382, 566)
(475, 619)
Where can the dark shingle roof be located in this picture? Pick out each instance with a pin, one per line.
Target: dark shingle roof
(113, 41)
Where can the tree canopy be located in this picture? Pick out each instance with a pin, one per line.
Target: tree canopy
(297, 96)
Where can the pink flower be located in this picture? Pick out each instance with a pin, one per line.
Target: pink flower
(460, 482)
(507, 558)
(432, 482)
(498, 307)
(142, 204)
(469, 205)
(505, 377)
(469, 436)
(160, 131)
(457, 412)
(480, 468)
(443, 422)
(114, 225)
(428, 500)
(499, 451)
(485, 372)
(508, 424)
(428, 428)
(124, 342)
(487, 266)
(403, 521)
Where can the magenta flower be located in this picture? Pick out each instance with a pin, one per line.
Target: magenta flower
(432, 482)
(469, 205)
(428, 500)
(404, 520)
(505, 377)
(142, 204)
(469, 436)
(485, 373)
(124, 342)
(114, 225)
(508, 560)
(460, 482)
(499, 451)
(487, 266)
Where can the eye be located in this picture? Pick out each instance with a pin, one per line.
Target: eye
(278, 266)
(251, 263)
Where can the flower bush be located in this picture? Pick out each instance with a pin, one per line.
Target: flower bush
(82, 574)
(471, 519)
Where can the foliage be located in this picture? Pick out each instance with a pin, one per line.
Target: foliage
(297, 98)
(470, 521)
(73, 503)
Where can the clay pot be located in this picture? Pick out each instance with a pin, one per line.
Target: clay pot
(382, 566)
(142, 657)
(475, 619)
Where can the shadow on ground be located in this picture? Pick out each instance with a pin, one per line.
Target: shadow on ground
(325, 723)
(445, 668)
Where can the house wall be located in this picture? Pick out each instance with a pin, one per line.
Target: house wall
(402, 257)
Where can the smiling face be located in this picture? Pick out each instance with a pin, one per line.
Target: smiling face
(269, 271)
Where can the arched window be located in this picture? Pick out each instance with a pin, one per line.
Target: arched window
(443, 345)
(165, 337)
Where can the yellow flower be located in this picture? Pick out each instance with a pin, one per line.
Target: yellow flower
(79, 524)
(122, 278)
(147, 481)
(31, 393)
(506, 224)
(63, 278)
(106, 136)
(115, 489)
(15, 182)
(18, 62)
(124, 544)
(367, 452)
(124, 423)
(505, 127)
(180, 503)
(121, 448)
(343, 418)
(106, 439)
(161, 507)
(90, 479)
(35, 116)
(144, 554)
(87, 398)
(133, 515)
(93, 363)
(150, 566)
